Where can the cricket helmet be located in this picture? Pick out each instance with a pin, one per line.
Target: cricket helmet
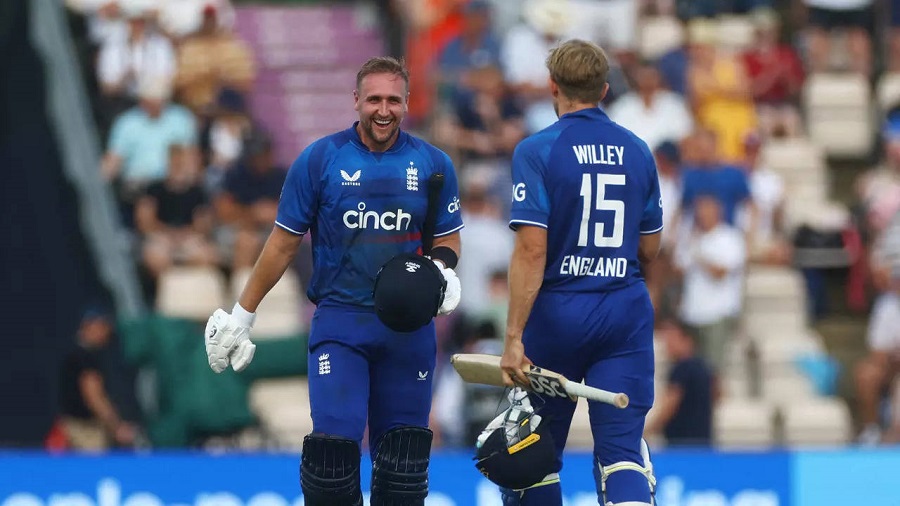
(409, 290)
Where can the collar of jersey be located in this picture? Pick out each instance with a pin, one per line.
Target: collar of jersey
(591, 112)
(356, 141)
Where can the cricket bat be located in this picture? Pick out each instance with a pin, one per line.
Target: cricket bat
(485, 370)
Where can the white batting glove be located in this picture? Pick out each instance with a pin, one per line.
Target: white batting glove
(453, 291)
(228, 339)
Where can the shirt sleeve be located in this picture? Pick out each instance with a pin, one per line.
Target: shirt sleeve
(449, 217)
(679, 374)
(119, 140)
(299, 196)
(530, 201)
(652, 219)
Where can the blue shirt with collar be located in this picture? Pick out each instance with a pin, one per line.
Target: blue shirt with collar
(362, 208)
(593, 185)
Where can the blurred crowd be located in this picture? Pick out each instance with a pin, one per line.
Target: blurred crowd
(197, 183)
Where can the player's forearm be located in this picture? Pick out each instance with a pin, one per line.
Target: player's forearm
(276, 256)
(526, 274)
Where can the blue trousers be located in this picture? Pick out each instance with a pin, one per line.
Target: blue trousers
(361, 372)
(607, 341)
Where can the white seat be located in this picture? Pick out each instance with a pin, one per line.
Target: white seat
(282, 406)
(659, 35)
(838, 113)
(819, 421)
(281, 311)
(773, 282)
(743, 423)
(794, 154)
(734, 32)
(782, 385)
(888, 91)
(193, 293)
(765, 326)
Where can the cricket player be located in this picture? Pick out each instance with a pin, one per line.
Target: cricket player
(362, 196)
(587, 212)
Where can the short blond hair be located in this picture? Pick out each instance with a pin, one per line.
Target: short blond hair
(383, 65)
(580, 69)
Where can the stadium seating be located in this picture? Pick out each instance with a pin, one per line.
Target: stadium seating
(281, 313)
(193, 293)
(839, 114)
(282, 406)
(822, 421)
(659, 35)
(743, 423)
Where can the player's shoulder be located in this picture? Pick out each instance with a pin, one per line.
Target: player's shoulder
(323, 148)
(540, 143)
(629, 137)
(430, 151)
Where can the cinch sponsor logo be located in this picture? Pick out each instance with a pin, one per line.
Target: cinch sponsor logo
(390, 220)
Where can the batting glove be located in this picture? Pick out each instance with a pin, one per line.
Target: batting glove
(453, 291)
(228, 339)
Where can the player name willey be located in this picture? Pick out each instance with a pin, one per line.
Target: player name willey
(599, 154)
(572, 265)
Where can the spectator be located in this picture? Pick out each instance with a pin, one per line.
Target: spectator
(139, 142)
(210, 60)
(703, 173)
(826, 16)
(684, 410)
(248, 204)
(431, 25)
(651, 112)
(546, 21)
(659, 273)
(139, 55)
(173, 217)
(474, 48)
(486, 121)
(711, 259)
(876, 372)
(878, 189)
(767, 240)
(181, 18)
(224, 136)
(720, 92)
(776, 78)
(488, 240)
(88, 416)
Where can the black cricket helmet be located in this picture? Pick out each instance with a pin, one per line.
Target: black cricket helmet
(409, 290)
(518, 461)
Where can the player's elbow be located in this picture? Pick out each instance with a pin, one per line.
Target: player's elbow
(648, 247)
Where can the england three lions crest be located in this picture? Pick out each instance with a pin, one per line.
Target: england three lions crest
(412, 177)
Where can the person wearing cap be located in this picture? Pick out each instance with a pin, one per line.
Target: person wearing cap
(370, 199)
(88, 417)
(545, 23)
(211, 59)
(248, 202)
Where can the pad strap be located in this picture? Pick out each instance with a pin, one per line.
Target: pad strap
(400, 467)
(329, 471)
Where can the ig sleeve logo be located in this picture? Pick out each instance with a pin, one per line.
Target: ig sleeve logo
(519, 192)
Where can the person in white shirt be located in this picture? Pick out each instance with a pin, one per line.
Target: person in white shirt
(881, 366)
(653, 113)
(523, 52)
(488, 239)
(767, 242)
(135, 56)
(712, 260)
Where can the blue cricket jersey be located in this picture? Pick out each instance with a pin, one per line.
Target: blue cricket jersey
(362, 208)
(593, 185)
